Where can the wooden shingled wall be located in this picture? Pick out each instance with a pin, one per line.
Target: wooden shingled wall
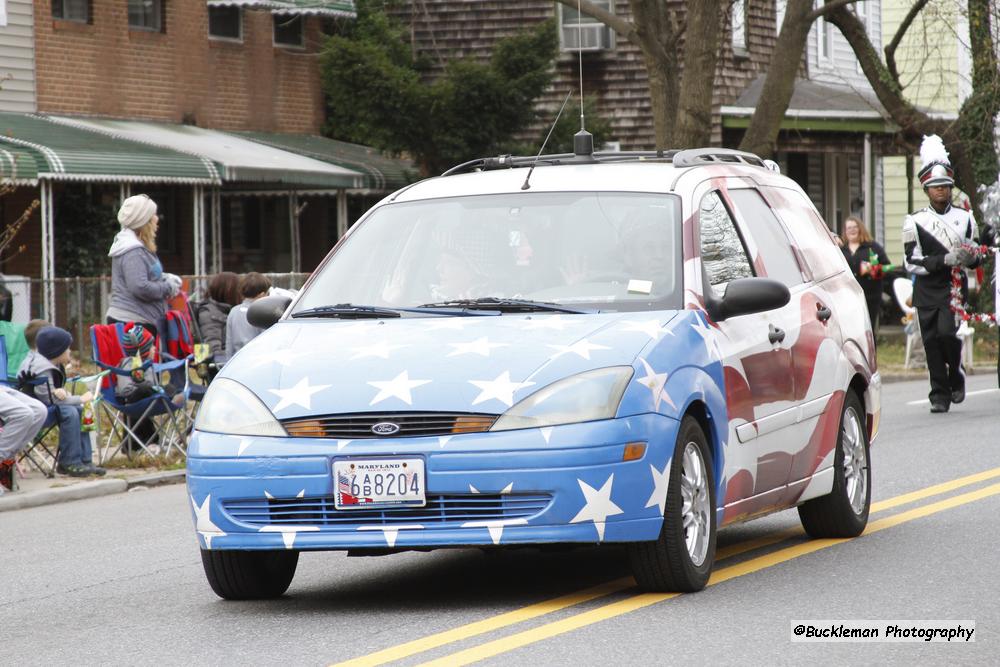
(444, 29)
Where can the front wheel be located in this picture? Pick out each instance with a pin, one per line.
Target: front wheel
(844, 512)
(681, 558)
(249, 575)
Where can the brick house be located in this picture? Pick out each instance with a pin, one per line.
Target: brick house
(211, 107)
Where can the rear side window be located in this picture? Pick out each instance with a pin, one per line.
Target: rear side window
(722, 253)
(772, 242)
(813, 243)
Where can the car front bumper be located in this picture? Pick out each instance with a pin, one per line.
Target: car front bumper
(564, 484)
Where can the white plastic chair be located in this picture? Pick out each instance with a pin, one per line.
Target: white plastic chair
(966, 334)
(902, 288)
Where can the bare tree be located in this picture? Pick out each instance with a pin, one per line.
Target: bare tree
(681, 97)
(970, 137)
(10, 231)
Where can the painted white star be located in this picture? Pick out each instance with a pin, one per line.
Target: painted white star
(300, 394)
(242, 447)
(456, 323)
(503, 492)
(655, 382)
(546, 433)
(443, 439)
(399, 387)
(391, 533)
(651, 328)
(708, 337)
(583, 348)
(203, 521)
(288, 533)
(473, 489)
(495, 526)
(381, 349)
(597, 506)
(659, 496)
(501, 389)
(481, 346)
(556, 322)
(342, 443)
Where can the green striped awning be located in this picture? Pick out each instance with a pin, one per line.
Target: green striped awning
(317, 7)
(39, 148)
(381, 173)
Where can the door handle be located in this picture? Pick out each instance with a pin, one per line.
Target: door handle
(823, 313)
(774, 334)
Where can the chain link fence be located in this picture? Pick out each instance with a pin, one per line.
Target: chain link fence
(81, 302)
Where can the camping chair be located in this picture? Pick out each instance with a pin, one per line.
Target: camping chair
(39, 454)
(170, 432)
(902, 288)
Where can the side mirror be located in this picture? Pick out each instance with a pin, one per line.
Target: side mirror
(748, 295)
(266, 311)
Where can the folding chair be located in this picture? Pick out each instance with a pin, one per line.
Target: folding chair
(170, 432)
(39, 454)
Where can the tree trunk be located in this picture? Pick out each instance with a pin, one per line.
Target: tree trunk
(779, 83)
(701, 55)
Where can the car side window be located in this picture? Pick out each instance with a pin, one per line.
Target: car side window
(722, 253)
(771, 239)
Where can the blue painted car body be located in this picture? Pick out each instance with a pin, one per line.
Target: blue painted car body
(560, 484)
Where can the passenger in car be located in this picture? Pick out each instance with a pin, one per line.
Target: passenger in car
(647, 249)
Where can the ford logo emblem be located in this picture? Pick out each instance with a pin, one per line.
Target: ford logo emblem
(385, 428)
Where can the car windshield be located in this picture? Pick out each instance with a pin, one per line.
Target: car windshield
(585, 250)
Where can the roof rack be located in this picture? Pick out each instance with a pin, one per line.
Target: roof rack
(679, 158)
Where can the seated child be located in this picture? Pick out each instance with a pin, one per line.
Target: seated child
(138, 345)
(239, 331)
(48, 361)
(22, 416)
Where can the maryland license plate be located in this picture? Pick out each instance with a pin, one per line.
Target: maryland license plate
(375, 483)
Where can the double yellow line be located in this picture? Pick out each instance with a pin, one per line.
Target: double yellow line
(640, 600)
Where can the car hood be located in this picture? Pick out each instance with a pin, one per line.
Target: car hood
(456, 364)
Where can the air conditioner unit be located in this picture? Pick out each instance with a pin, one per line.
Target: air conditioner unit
(587, 37)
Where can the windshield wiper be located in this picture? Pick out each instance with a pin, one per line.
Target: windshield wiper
(347, 310)
(504, 305)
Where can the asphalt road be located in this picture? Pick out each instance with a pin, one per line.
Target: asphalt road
(118, 580)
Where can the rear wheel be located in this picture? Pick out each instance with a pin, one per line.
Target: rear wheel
(249, 575)
(681, 559)
(844, 512)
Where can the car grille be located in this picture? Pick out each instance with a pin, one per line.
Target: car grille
(411, 424)
(441, 511)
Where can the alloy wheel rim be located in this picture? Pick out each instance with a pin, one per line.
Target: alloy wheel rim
(695, 509)
(855, 461)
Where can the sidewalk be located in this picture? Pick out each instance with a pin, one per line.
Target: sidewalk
(35, 489)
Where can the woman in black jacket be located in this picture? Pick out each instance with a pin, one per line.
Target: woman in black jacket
(868, 263)
(223, 294)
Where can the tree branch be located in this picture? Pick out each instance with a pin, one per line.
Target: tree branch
(828, 6)
(890, 49)
(613, 21)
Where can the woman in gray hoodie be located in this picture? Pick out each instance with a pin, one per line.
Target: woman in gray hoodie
(139, 287)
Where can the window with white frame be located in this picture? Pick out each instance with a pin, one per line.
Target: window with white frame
(738, 23)
(225, 23)
(71, 10)
(288, 30)
(145, 15)
(824, 42)
(582, 32)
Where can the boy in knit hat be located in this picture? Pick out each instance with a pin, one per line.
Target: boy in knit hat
(48, 361)
(138, 344)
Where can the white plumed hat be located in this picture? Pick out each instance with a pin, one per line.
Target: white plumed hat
(936, 168)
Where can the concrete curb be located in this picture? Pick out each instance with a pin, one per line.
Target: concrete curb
(63, 494)
(103, 487)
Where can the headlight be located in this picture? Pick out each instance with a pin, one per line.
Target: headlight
(584, 397)
(229, 407)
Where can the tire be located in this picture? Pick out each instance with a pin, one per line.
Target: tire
(844, 512)
(249, 575)
(681, 560)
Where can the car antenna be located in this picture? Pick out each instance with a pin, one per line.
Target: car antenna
(525, 186)
(583, 141)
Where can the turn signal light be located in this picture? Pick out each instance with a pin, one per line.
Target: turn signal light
(634, 451)
(306, 429)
